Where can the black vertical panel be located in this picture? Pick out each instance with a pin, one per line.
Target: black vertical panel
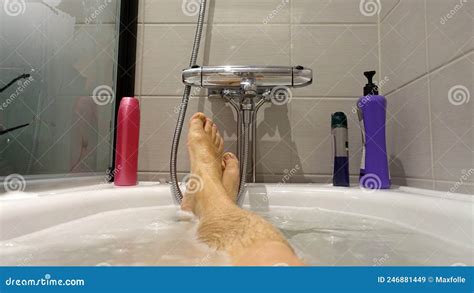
(125, 83)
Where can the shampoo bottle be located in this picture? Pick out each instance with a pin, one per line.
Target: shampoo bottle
(372, 107)
(341, 149)
(128, 131)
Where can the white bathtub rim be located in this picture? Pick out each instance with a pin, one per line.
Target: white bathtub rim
(26, 214)
(302, 187)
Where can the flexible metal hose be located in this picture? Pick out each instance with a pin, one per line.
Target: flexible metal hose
(243, 162)
(177, 194)
(184, 106)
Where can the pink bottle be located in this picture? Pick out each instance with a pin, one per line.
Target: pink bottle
(128, 131)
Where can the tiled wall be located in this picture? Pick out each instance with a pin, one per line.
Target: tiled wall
(339, 39)
(427, 55)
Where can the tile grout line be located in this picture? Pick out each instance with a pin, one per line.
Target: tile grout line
(433, 183)
(379, 43)
(431, 72)
(390, 12)
(142, 49)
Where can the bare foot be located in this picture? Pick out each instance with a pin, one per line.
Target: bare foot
(231, 175)
(230, 180)
(205, 147)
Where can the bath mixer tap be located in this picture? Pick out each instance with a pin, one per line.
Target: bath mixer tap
(249, 87)
(231, 77)
(246, 88)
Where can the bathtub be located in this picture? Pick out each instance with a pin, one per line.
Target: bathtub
(327, 226)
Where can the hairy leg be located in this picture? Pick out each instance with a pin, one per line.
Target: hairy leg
(248, 238)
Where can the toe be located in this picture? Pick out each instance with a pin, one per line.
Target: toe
(214, 132)
(208, 125)
(231, 175)
(196, 128)
(220, 147)
(217, 139)
(198, 119)
(231, 163)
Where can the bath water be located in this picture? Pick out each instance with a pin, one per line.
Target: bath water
(163, 236)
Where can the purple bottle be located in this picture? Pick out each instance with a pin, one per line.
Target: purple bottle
(374, 171)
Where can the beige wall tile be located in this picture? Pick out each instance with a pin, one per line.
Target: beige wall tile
(455, 187)
(408, 126)
(338, 56)
(413, 182)
(249, 44)
(165, 53)
(166, 50)
(220, 11)
(274, 141)
(338, 11)
(159, 115)
(452, 119)
(404, 61)
(311, 134)
(450, 28)
(139, 60)
(387, 7)
(170, 11)
(403, 44)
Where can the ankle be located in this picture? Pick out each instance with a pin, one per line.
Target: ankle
(213, 200)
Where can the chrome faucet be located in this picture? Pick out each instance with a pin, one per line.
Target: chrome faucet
(246, 88)
(249, 87)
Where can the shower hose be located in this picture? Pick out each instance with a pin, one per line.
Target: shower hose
(175, 189)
